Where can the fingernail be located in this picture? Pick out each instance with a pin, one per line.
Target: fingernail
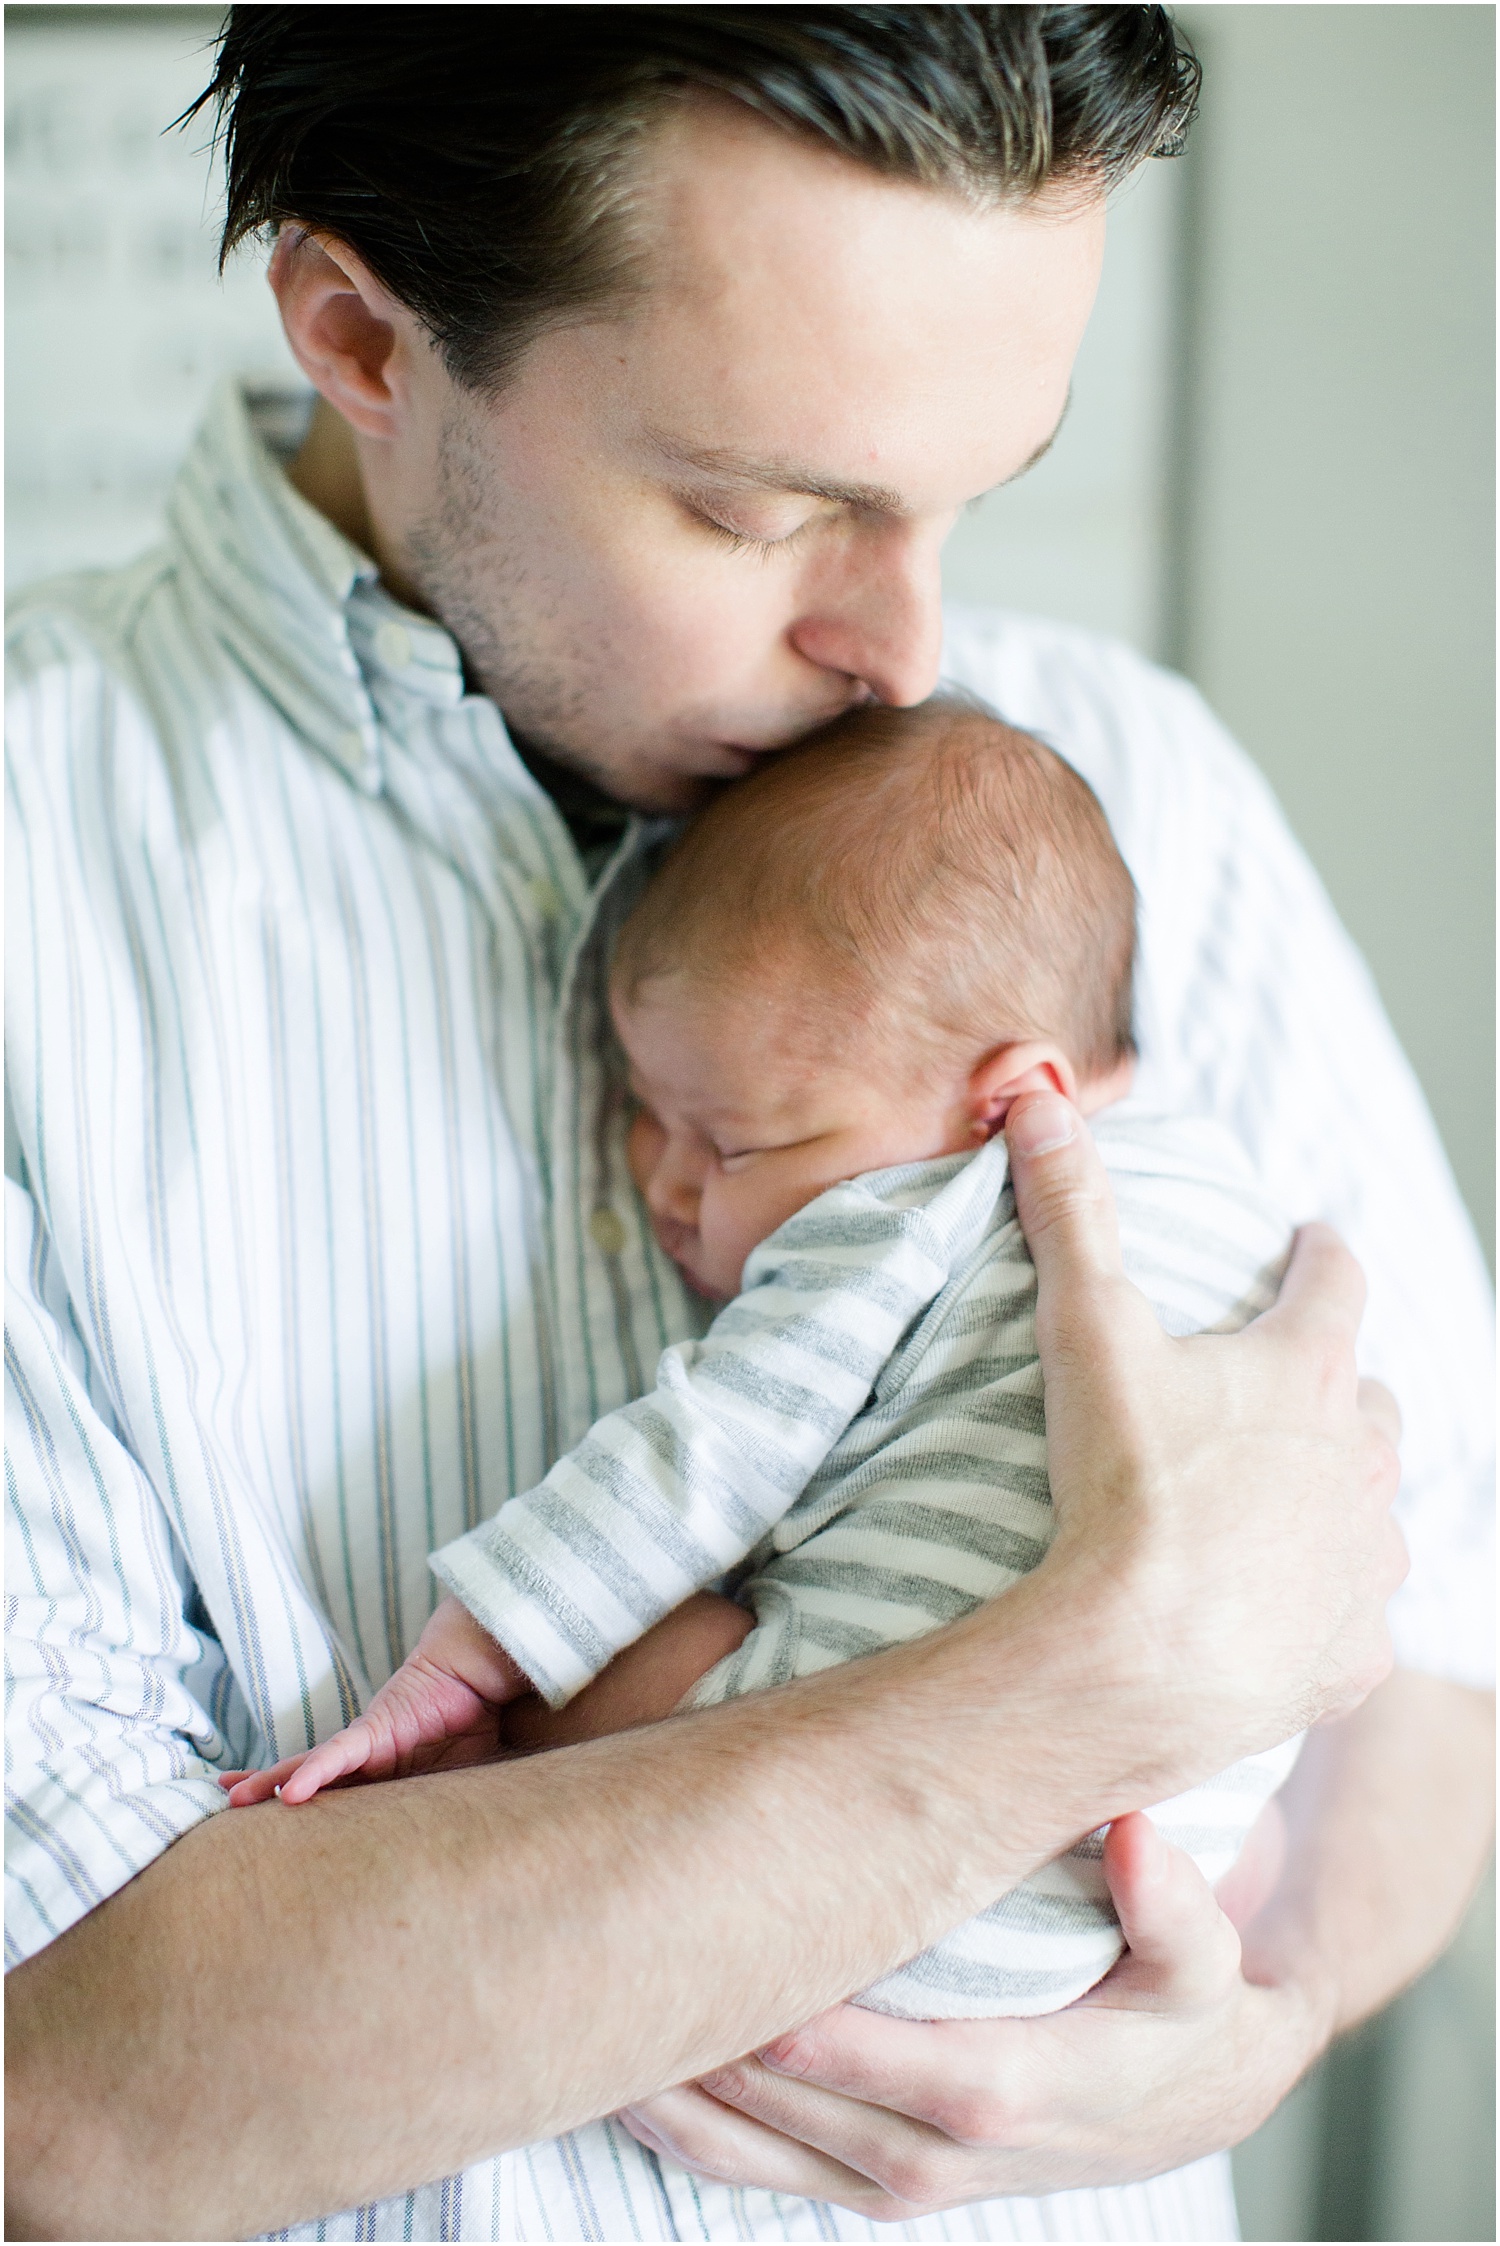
(780, 2056)
(1152, 1868)
(1039, 1124)
(724, 2082)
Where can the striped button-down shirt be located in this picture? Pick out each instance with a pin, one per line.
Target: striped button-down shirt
(320, 1242)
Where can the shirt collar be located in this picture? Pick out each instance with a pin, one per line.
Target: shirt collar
(299, 605)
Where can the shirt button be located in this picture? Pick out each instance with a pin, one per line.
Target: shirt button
(393, 646)
(608, 1232)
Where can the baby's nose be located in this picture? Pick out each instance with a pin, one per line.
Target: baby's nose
(676, 1190)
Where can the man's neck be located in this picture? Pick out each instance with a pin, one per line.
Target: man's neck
(326, 473)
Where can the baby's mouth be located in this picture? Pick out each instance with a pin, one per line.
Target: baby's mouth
(680, 1242)
(675, 1240)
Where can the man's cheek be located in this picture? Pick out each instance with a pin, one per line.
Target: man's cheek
(714, 617)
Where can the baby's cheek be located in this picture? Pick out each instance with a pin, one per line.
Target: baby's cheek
(737, 1213)
(730, 1223)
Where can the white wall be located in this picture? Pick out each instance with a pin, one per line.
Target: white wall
(116, 323)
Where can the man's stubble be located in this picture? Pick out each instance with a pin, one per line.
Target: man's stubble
(549, 680)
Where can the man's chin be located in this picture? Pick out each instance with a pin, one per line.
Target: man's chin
(636, 784)
(642, 781)
(673, 790)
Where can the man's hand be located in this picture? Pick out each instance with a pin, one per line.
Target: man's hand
(1380, 1834)
(1236, 1488)
(1174, 2055)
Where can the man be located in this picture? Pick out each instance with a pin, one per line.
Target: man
(656, 350)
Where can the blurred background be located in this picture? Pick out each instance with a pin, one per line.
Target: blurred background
(1277, 476)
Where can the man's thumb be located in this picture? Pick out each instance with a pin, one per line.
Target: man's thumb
(1181, 1949)
(1062, 1195)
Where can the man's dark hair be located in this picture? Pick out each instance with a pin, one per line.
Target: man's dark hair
(479, 159)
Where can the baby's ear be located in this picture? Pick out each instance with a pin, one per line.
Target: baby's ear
(1035, 1065)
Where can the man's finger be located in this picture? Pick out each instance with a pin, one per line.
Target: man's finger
(712, 2139)
(1181, 1949)
(1062, 1195)
(1086, 1307)
(1322, 1295)
(966, 2079)
(1380, 1407)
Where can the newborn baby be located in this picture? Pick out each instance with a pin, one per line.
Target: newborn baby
(831, 992)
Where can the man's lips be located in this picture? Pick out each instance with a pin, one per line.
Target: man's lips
(786, 737)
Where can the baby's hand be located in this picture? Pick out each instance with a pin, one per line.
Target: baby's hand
(441, 1709)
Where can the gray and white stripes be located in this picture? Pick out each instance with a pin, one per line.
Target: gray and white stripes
(315, 1111)
(669, 1493)
(866, 1423)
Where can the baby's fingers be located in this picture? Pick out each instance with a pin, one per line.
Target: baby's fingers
(345, 1752)
(245, 1788)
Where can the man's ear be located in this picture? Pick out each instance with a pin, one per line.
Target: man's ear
(1035, 1065)
(350, 336)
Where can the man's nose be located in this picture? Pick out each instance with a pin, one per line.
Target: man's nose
(878, 617)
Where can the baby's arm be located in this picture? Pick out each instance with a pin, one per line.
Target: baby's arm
(659, 1499)
(440, 1708)
(645, 1683)
(664, 1496)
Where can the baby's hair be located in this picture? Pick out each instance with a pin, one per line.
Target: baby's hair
(947, 878)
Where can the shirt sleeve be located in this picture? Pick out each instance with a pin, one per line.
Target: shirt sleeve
(110, 1742)
(1254, 1006)
(663, 1497)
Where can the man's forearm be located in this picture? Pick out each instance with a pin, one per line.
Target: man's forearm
(297, 2009)
(1390, 1816)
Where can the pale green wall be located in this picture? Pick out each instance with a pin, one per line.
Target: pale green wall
(1334, 550)
(1331, 548)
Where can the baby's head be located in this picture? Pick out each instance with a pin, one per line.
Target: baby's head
(859, 956)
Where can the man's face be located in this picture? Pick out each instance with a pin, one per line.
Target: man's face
(684, 535)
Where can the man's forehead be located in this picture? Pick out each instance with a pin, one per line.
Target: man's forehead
(811, 326)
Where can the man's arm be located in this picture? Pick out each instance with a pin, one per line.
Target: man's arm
(747, 1866)
(1189, 2044)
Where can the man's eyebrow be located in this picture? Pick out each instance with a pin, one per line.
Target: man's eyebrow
(778, 475)
(781, 475)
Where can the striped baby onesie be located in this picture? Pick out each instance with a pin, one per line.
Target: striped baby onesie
(859, 1443)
